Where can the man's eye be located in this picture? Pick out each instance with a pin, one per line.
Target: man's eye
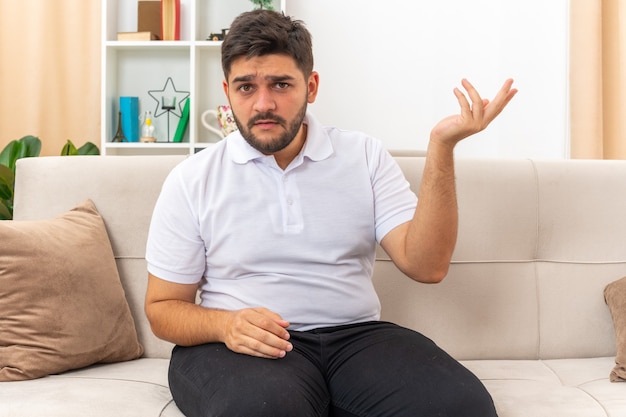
(282, 86)
(245, 88)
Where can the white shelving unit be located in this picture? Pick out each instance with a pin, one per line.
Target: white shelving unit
(137, 67)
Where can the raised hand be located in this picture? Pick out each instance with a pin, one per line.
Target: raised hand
(474, 116)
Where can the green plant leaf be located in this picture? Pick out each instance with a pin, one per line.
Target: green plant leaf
(7, 179)
(32, 146)
(5, 192)
(5, 211)
(4, 155)
(9, 154)
(89, 148)
(69, 149)
(27, 146)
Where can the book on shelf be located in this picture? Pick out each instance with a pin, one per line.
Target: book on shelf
(137, 36)
(129, 106)
(182, 123)
(149, 16)
(170, 20)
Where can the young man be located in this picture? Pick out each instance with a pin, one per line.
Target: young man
(277, 226)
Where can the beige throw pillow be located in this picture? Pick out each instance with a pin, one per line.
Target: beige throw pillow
(615, 297)
(62, 305)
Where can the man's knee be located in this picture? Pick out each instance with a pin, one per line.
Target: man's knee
(218, 382)
(475, 401)
(262, 401)
(268, 404)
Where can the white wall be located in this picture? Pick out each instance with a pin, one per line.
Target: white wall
(388, 69)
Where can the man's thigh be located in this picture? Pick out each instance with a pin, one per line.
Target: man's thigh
(210, 380)
(380, 369)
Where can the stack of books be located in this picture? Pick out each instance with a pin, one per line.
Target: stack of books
(170, 20)
(156, 20)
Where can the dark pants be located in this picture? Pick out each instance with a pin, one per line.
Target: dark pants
(369, 369)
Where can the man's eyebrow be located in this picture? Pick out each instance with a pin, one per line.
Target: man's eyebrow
(279, 78)
(273, 78)
(243, 78)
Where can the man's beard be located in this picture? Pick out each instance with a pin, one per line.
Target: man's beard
(274, 144)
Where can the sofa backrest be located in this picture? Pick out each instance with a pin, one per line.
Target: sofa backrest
(538, 241)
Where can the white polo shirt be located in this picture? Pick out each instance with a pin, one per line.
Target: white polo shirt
(300, 242)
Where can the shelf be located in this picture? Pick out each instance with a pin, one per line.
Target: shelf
(159, 148)
(148, 44)
(141, 68)
(209, 44)
(149, 145)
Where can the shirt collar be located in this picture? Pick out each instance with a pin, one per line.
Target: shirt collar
(317, 146)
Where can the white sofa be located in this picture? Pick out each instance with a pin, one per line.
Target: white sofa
(522, 307)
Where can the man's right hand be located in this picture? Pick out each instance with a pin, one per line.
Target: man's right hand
(257, 332)
(174, 316)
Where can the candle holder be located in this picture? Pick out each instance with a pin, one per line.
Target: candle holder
(168, 104)
(168, 100)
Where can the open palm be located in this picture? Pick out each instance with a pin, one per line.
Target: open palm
(475, 115)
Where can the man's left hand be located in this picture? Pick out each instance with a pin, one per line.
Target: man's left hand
(474, 116)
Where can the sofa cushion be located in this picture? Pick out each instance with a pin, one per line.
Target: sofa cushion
(62, 305)
(615, 297)
(576, 387)
(136, 388)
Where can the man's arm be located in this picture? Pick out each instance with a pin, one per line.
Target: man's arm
(423, 247)
(174, 316)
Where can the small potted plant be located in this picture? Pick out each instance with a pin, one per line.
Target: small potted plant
(263, 4)
(27, 147)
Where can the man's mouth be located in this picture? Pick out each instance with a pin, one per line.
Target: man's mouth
(265, 123)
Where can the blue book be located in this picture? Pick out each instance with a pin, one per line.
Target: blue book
(129, 106)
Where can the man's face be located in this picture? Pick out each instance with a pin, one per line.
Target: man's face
(269, 95)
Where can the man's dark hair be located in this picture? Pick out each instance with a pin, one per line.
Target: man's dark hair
(264, 32)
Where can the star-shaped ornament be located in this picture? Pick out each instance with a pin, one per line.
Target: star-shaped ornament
(169, 99)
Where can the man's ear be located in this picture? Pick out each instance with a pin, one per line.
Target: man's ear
(225, 86)
(313, 87)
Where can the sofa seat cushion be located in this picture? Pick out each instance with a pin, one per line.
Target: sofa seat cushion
(520, 388)
(552, 388)
(134, 388)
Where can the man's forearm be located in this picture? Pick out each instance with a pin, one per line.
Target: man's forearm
(185, 323)
(174, 316)
(432, 233)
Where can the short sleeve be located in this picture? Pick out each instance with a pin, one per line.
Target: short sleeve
(175, 250)
(394, 202)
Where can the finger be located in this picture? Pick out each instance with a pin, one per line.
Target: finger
(264, 349)
(272, 322)
(502, 98)
(505, 94)
(463, 103)
(259, 332)
(267, 342)
(259, 352)
(260, 343)
(477, 102)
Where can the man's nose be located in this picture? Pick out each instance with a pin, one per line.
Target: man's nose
(264, 101)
